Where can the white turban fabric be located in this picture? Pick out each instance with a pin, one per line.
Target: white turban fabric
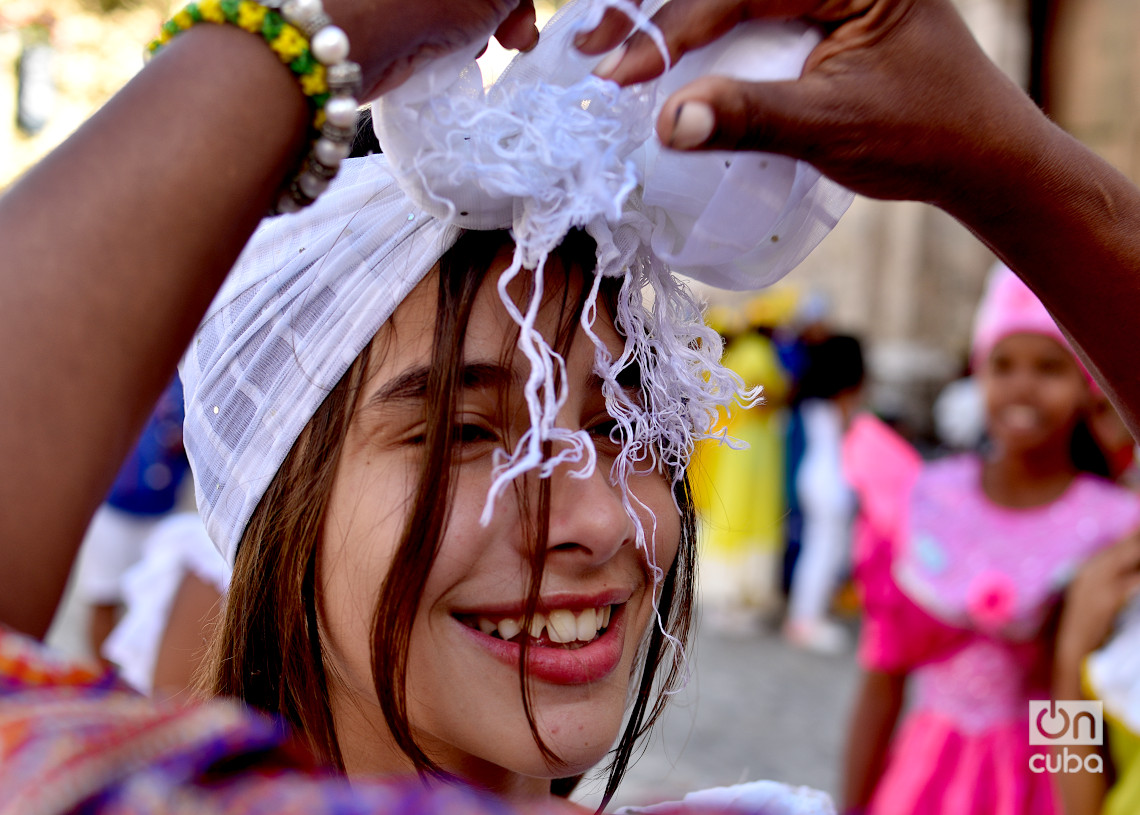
(547, 148)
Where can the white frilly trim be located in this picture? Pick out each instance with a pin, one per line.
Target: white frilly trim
(178, 546)
(1114, 670)
(751, 798)
(550, 146)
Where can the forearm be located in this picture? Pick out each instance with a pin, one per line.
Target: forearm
(869, 735)
(103, 286)
(1080, 792)
(1069, 224)
(899, 102)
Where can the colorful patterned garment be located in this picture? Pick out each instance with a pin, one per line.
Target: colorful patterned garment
(74, 739)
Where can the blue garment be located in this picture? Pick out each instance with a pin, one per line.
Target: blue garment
(148, 481)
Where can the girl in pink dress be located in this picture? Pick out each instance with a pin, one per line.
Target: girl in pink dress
(960, 564)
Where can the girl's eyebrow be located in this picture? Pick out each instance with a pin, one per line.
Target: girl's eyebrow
(412, 384)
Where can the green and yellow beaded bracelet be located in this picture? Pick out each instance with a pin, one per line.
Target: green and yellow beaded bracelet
(308, 44)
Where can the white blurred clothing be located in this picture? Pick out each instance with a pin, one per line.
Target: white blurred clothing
(828, 505)
(178, 546)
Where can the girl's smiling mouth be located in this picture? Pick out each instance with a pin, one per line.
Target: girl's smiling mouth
(565, 646)
(556, 628)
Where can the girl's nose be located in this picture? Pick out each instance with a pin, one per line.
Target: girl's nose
(588, 520)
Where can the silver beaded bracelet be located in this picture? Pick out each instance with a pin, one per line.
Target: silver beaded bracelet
(329, 46)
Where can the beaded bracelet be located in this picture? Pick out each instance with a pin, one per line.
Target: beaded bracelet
(316, 51)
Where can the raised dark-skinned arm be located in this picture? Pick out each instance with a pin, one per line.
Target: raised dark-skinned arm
(116, 242)
(899, 102)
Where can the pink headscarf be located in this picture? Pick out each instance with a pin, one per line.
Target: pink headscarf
(1009, 307)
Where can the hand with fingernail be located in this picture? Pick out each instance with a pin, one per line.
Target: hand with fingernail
(892, 102)
(898, 101)
(1106, 583)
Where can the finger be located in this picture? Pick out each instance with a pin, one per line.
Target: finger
(690, 24)
(683, 29)
(611, 31)
(1125, 554)
(520, 29)
(716, 112)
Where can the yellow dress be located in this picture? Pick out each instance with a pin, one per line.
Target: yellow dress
(1124, 746)
(1112, 674)
(740, 493)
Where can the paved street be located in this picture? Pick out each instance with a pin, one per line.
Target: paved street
(755, 709)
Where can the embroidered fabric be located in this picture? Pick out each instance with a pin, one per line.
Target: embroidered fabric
(547, 148)
(976, 565)
(978, 686)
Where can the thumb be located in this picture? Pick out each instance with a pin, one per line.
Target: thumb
(719, 113)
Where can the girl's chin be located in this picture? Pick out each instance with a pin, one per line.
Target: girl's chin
(587, 749)
(542, 773)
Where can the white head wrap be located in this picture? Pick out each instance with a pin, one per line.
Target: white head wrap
(549, 147)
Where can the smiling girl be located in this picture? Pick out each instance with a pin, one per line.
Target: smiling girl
(447, 458)
(372, 608)
(961, 563)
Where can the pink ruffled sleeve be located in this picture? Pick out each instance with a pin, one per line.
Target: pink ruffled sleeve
(882, 469)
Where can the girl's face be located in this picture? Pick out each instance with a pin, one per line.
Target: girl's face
(464, 701)
(1035, 392)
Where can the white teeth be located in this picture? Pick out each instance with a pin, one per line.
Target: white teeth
(508, 628)
(537, 623)
(562, 626)
(587, 625)
(1021, 416)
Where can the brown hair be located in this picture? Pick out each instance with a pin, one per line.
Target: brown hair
(268, 648)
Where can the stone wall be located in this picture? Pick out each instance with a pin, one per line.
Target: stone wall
(93, 52)
(1094, 77)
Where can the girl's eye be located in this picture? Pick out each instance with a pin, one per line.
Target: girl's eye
(468, 433)
(606, 433)
(999, 365)
(462, 433)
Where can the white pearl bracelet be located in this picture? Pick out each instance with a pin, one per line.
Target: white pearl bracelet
(329, 46)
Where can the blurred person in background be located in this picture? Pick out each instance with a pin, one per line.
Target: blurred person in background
(829, 394)
(1097, 656)
(807, 326)
(171, 600)
(145, 491)
(960, 564)
(739, 492)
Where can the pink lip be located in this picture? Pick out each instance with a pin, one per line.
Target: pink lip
(559, 666)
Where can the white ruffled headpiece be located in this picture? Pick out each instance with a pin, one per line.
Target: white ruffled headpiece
(549, 147)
